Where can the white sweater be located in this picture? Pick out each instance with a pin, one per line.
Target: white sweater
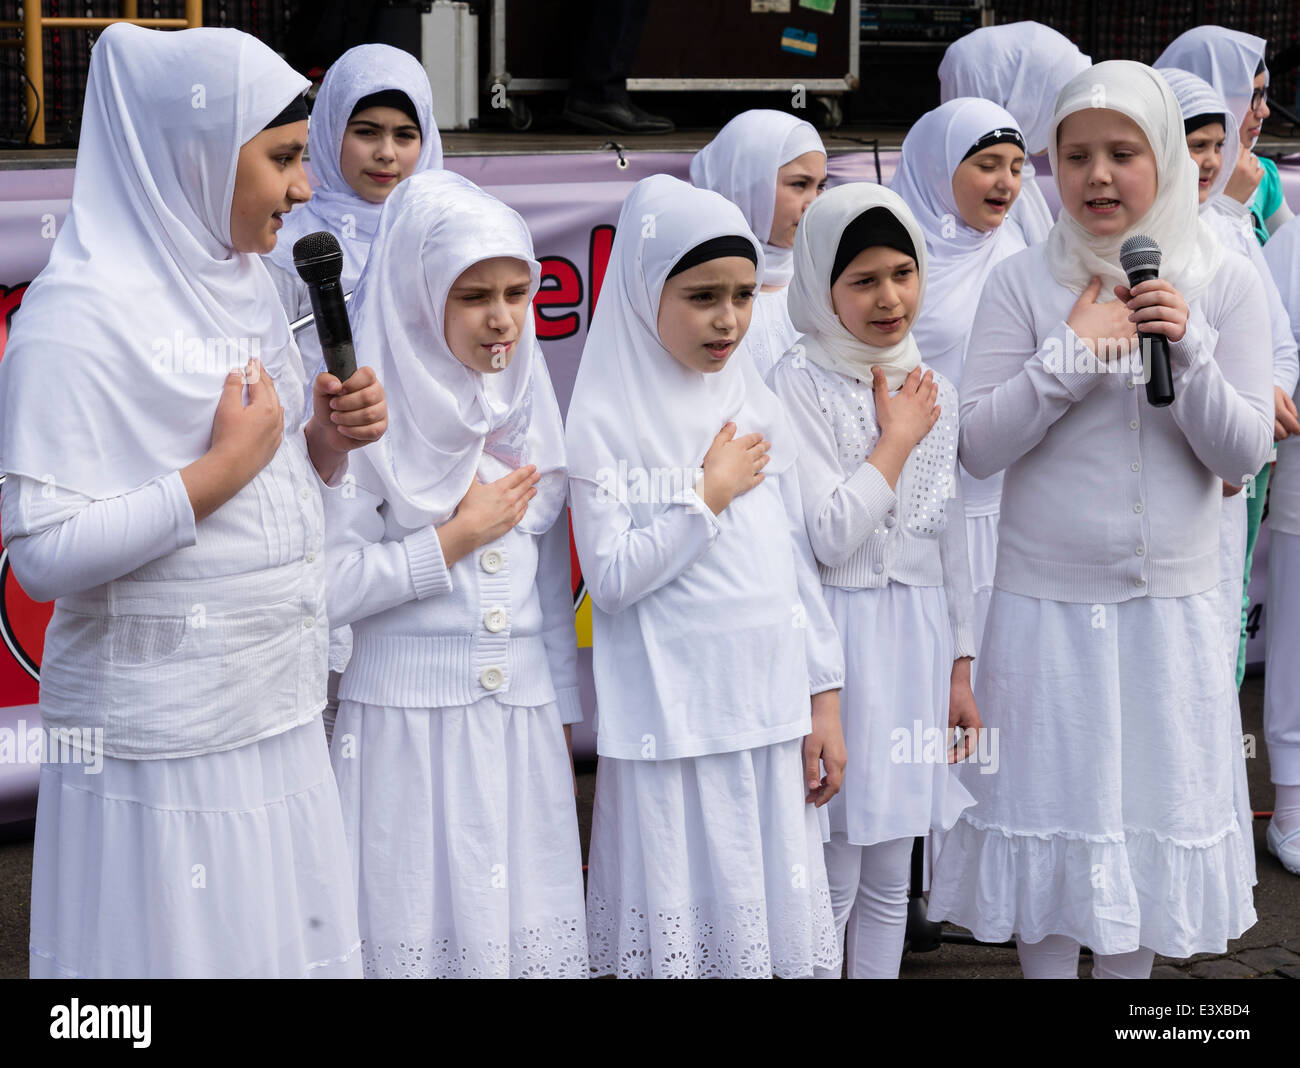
(854, 517)
(1106, 498)
(1282, 253)
(498, 623)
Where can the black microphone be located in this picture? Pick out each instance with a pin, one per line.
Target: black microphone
(1140, 258)
(319, 261)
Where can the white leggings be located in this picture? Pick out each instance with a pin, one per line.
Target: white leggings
(1057, 957)
(868, 887)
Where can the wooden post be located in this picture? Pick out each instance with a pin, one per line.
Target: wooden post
(35, 56)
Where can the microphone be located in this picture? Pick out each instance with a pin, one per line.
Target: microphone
(319, 261)
(1140, 258)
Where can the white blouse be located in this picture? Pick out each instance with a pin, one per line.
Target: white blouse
(863, 534)
(740, 686)
(770, 332)
(178, 637)
(498, 622)
(1105, 497)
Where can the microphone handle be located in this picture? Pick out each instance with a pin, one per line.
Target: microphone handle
(333, 329)
(1155, 355)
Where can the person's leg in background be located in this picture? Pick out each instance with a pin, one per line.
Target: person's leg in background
(598, 97)
(1254, 514)
(1055, 957)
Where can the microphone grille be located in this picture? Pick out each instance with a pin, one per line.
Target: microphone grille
(1139, 252)
(318, 257)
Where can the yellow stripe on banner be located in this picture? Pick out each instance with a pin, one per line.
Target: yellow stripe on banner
(582, 621)
(799, 45)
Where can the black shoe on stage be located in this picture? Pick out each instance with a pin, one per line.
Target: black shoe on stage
(613, 116)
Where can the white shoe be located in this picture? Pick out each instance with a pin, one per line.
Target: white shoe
(1286, 847)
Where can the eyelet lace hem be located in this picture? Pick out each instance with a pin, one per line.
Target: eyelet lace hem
(556, 949)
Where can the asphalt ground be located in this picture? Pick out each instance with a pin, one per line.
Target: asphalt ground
(1270, 949)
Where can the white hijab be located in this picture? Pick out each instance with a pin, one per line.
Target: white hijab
(446, 421)
(826, 340)
(1227, 59)
(90, 392)
(1198, 97)
(741, 163)
(632, 400)
(1020, 66)
(961, 257)
(335, 205)
(1190, 253)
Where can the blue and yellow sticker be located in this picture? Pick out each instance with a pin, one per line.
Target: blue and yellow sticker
(800, 42)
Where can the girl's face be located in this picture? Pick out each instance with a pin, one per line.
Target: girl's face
(269, 181)
(986, 185)
(705, 311)
(875, 298)
(486, 308)
(1253, 123)
(1108, 177)
(1206, 146)
(381, 146)
(798, 184)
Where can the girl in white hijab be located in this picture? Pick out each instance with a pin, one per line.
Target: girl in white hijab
(372, 126)
(1020, 66)
(771, 166)
(1111, 820)
(961, 174)
(710, 628)
(883, 510)
(177, 528)
(449, 557)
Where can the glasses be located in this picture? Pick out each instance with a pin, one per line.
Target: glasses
(1258, 98)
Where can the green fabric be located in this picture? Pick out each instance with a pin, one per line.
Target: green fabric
(1268, 198)
(1254, 513)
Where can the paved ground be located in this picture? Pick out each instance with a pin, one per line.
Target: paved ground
(1270, 949)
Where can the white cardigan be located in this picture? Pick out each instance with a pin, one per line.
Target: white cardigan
(1106, 498)
(498, 623)
(853, 516)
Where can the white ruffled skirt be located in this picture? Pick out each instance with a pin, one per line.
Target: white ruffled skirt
(1112, 817)
(463, 832)
(708, 867)
(224, 865)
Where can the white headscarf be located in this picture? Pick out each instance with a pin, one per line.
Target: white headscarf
(1227, 59)
(741, 163)
(1020, 66)
(335, 206)
(90, 390)
(632, 400)
(961, 257)
(1197, 97)
(446, 421)
(826, 340)
(1190, 253)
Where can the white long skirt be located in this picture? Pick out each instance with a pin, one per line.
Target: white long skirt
(1232, 565)
(708, 867)
(463, 831)
(225, 865)
(1282, 675)
(1111, 818)
(894, 710)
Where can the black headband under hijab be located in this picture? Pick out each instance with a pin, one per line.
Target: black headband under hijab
(874, 227)
(715, 249)
(388, 98)
(1208, 119)
(996, 137)
(296, 111)
(1260, 69)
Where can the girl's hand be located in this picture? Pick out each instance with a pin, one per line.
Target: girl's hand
(962, 711)
(1285, 422)
(907, 416)
(1156, 307)
(349, 414)
(1106, 329)
(489, 509)
(732, 466)
(824, 745)
(246, 436)
(1246, 176)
